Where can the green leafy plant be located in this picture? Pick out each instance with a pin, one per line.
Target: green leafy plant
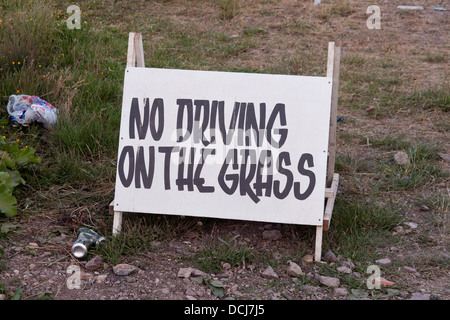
(12, 159)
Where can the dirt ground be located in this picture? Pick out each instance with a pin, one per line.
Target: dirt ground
(43, 266)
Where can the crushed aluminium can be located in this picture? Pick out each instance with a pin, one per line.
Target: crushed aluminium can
(86, 238)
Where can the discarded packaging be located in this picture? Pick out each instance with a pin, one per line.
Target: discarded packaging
(440, 9)
(25, 109)
(86, 239)
(410, 7)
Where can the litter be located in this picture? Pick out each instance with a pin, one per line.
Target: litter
(410, 7)
(86, 238)
(25, 109)
(440, 9)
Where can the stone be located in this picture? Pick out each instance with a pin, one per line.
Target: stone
(398, 230)
(124, 269)
(409, 269)
(401, 158)
(33, 245)
(272, 235)
(95, 263)
(330, 257)
(269, 273)
(412, 225)
(420, 296)
(340, 292)
(344, 269)
(294, 269)
(185, 272)
(330, 281)
(385, 282)
(444, 156)
(347, 264)
(384, 262)
(226, 266)
(308, 258)
(190, 292)
(101, 278)
(310, 289)
(198, 273)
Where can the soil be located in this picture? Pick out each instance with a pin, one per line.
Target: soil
(41, 265)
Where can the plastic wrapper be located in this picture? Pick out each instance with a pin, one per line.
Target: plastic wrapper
(25, 109)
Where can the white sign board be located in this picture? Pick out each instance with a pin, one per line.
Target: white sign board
(224, 145)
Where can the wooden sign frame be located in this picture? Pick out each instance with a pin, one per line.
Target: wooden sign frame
(135, 58)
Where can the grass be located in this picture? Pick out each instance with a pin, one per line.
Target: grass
(219, 251)
(81, 73)
(360, 228)
(421, 171)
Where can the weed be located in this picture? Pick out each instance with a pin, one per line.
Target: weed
(218, 251)
(434, 98)
(139, 234)
(360, 227)
(228, 9)
(421, 171)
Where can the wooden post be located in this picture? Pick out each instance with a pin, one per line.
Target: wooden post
(135, 57)
(334, 56)
(318, 247)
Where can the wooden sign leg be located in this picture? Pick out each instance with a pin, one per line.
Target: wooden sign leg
(135, 56)
(318, 248)
(334, 56)
(117, 223)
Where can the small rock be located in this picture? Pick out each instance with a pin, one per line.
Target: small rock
(86, 276)
(444, 156)
(2, 297)
(226, 266)
(190, 292)
(385, 282)
(384, 262)
(424, 208)
(123, 269)
(33, 245)
(198, 273)
(269, 273)
(394, 249)
(101, 278)
(310, 289)
(344, 269)
(399, 230)
(294, 269)
(272, 235)
(95, 263)
(409, 269)
(340, 292)
(308, 258)
(330, 281)
(185, 272)
(347, 264)
(401, 158)
(412, 225)
(357, 275)
(330, 257)
(420, 296)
